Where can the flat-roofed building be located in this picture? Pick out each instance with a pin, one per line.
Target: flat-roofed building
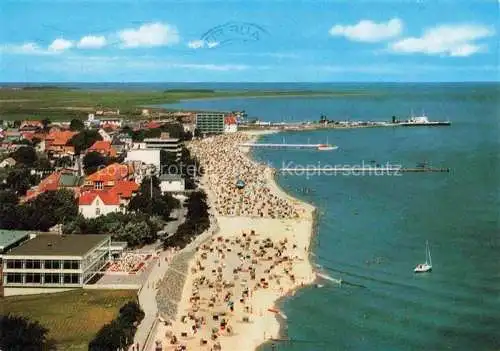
(8, 240)
(51, 260)
(172, 183)
(147, 156)
(12, 238)
(164, 142)
(210, 122)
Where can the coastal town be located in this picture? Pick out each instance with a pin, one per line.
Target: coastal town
(173, 208)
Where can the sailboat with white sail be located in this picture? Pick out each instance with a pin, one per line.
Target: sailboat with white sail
(427, 266)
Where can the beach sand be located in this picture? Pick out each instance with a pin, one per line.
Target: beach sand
(236, 277)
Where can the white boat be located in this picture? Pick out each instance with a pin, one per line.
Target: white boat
(427, 266)
(326, 147)
(422, 121)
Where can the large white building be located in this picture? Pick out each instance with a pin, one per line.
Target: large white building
(147, 156)
(172, 145)
(51, 260)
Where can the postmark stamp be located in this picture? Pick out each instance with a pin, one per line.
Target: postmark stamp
(232, 32)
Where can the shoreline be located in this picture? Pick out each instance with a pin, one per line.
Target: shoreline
(254, 319)
(281, 318)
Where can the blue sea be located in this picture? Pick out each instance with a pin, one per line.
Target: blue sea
(372, 229)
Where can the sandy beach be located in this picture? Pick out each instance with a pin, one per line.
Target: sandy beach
(259, 254)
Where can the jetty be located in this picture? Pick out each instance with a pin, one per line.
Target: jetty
(389, 169)
(290, 146)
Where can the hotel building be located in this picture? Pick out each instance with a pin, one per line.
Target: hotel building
(51, 260)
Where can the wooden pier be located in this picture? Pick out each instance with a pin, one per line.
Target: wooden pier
(286, 146)
(382, 170)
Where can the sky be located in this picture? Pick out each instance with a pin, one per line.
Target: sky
(249, 41)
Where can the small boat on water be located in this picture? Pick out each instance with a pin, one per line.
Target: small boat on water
(326, 147)
(427, 266)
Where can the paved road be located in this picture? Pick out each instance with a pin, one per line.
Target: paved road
(147, 294)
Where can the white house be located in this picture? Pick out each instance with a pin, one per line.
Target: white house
(171, 183)
(93, 203)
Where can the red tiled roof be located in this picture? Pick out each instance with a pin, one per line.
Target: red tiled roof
(60, 137)
(50, 183)
(152, 125)
(125, 188)
(27, 135)
(114, 171)
(230, 120)
(106, 196)
(103, 146)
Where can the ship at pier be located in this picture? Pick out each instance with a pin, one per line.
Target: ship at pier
(423, 120)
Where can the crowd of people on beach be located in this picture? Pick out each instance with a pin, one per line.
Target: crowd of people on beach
(240, 185)
(226, 274)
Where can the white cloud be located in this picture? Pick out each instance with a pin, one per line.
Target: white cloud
(149, 35)
(369, 31)
(210, 67)
(60, 45)
(23, 49)
(452, 40)
(196, 44)
(91, 42)
(199, 44)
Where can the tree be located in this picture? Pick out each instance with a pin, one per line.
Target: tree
(48, 209)
(46, 122)
(92, 161)
(197, 133)
(19, 333)
(20, 180)
(25, 155)
(167, 159)
(83, 140)
(8, 209)
(119, 333)
(150, 200)
(76, 125)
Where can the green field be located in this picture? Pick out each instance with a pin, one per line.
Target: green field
(65, 104)
(72, 317)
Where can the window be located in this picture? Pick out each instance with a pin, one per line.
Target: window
(51, 278)
(32, 264)
(75, 278)
(33, 278)
(10, 264)
(47, 264)
(18, 264)
(97, 211)
(98, 185)
(56, 264)
(71, 264)
(14, 278)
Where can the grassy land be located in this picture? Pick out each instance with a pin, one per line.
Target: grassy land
(73, 317)
(62, 103)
